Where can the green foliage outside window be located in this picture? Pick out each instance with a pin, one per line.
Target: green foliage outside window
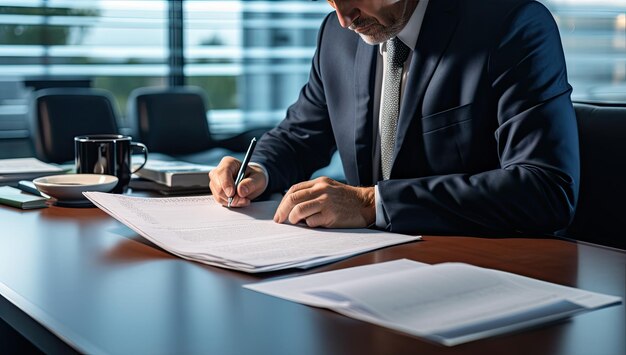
(47, 35)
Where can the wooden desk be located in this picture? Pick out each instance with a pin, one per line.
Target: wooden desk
(79, 278)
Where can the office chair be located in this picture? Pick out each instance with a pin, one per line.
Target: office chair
(172, 121)
(600, 216)
(60, 114)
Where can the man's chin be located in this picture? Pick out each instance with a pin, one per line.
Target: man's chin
(373, 40)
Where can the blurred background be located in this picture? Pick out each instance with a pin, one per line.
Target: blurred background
(251, 57)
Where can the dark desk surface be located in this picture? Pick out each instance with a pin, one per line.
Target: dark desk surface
(79, 277)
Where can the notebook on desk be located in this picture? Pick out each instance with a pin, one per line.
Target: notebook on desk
(13, 197)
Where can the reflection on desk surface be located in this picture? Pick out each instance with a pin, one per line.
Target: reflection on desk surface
(97, 287)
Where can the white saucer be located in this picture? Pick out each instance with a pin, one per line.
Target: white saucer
(73, 203)
(70, 187)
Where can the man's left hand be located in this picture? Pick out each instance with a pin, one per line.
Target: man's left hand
(324, 202)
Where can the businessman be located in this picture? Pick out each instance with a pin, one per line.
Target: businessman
(450, 117)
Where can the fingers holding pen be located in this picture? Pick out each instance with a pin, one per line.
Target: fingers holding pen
(253, 184)
(243, 171)
(249, 188)
(222, 181)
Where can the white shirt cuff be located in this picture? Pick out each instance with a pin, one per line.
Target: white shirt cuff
(267, 177)
(381, 222)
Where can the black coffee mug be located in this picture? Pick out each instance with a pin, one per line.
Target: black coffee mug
(107, 154)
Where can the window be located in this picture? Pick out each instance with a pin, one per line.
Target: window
(252, 57)
(117, 45)
(594, 40)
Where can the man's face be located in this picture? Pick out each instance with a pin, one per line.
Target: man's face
(374, 20)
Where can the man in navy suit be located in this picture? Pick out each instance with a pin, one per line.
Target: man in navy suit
(485, 139)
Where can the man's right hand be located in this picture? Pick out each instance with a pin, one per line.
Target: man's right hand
(222, 183)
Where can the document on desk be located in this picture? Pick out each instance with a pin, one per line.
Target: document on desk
(246, 239)
(450, 303)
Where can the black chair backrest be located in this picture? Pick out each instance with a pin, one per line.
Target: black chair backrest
(60, 114)
(171, 120)
(601, 211)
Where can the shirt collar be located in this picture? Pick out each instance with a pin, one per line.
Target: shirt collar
(411, 30)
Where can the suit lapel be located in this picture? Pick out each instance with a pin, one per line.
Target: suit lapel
(364, 73)
(440, 22)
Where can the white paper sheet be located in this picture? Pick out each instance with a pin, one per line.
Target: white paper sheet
(26, 165)
(450, 303)
(246, 239)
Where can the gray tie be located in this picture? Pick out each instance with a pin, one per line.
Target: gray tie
(397, 52)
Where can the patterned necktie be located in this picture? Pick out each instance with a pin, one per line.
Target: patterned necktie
(397, 53)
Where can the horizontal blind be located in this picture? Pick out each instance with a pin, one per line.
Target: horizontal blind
(251, 56)
(118, 45)
(594, 40)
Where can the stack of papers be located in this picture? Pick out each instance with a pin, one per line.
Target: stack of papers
(246, 239)
(449, 303)
(14, 170)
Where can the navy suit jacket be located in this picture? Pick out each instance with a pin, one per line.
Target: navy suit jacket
(486, 142)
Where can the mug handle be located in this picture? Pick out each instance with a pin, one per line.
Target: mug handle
(144, 150)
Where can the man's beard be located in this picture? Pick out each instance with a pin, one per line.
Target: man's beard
(377, 33)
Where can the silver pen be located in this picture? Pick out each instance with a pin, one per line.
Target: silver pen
(28, 186)
(242, 168)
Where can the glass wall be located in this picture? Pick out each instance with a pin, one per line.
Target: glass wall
(117, 45)
(594, 40)
(251, 57)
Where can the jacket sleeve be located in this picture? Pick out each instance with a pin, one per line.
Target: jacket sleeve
(303, 142)
(536, 186)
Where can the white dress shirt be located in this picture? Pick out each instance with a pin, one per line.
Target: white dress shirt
(408, 36)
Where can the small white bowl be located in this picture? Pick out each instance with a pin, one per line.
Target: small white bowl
(70, 187)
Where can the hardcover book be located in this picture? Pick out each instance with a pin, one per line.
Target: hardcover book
(138, 183)
(176, 174)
